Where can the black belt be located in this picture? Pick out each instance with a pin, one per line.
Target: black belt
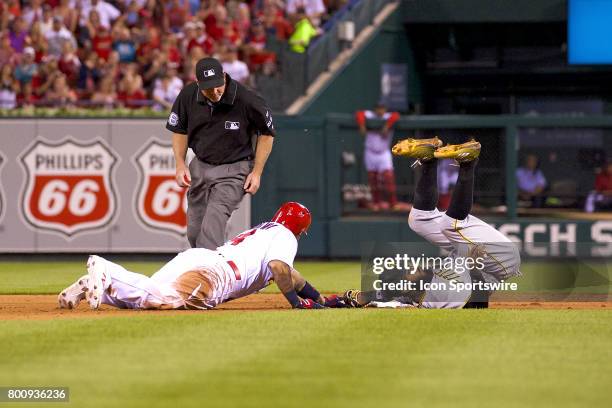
(248, 158)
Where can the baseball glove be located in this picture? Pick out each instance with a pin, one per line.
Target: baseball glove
(351, 298)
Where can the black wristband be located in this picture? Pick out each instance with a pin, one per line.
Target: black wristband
(292, 298)
(308, 292)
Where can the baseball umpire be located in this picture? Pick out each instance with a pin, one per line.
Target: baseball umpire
(217, 117)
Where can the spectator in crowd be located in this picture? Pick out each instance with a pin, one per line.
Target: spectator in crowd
(46, 22)
(25, 71)
(176, 83)
(9, 10)
(242, 19)
(256, 54)
(33, 12)
(58, 36)
(236, 69)
(195, 54)
(7, 53)
(89, 74)
(8, 88)
(314, 10)
(201, 40)
(48, 71)
(601, 198)
(531, 182)
(304, 32)
(176, 15)
(102, 43)
(60, 93)
(169, 47)
(150, 41)
(69, 14)
(111, 66)
(189, 35)
(276, 24)
(214, 22)
(38, 42)
(231, 37)
(154, 68)
(125, 46)
(165, 92)
(69, 64)
(19, 35)
(88, 31)
(152, 14)
(107, 12)
(132, 17)
(131, 93)
(105, 96)
(378, 159)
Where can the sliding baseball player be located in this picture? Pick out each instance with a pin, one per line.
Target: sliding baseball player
(199, 278)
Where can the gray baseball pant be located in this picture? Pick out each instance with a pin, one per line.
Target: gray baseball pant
(215, 192)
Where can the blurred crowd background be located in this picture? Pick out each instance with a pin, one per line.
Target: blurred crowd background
(139, 53)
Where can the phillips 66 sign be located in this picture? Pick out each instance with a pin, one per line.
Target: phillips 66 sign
(160, 203)
(93, 186)
(68, 187)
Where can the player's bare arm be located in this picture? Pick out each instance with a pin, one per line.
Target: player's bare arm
(305, 289)
(179, 147)
(262, 152)
(282, 275)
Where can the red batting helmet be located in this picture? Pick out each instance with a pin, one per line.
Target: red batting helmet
(294, 216)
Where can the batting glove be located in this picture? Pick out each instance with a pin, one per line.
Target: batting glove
(309, 304)
(334, 301)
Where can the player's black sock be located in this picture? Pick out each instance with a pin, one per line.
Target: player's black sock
(426, 191)
(463, 194)
(309, 292)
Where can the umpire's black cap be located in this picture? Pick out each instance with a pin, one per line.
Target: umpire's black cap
(209, 73)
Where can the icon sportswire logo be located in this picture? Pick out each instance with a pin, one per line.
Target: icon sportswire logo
(159, 203)
(68, 185)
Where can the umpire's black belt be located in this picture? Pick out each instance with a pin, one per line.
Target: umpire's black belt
(248, 158)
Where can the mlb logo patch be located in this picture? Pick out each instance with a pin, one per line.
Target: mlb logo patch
(232, 125)
(209, 73)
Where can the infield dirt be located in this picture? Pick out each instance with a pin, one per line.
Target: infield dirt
(42, 307)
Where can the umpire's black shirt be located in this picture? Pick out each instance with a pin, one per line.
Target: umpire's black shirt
(220, 133)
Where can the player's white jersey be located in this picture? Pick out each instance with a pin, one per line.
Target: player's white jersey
(252, 250)
(375, 141)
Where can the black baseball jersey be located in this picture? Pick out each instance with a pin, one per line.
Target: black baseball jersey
(220, 133)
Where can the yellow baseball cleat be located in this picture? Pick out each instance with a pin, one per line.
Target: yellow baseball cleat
(464, 152)
(421, 149)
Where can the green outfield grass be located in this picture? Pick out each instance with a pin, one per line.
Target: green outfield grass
(328, 358)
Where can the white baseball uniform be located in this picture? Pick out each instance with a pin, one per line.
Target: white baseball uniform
(377, 147)
(500, 255)
(236, 269)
